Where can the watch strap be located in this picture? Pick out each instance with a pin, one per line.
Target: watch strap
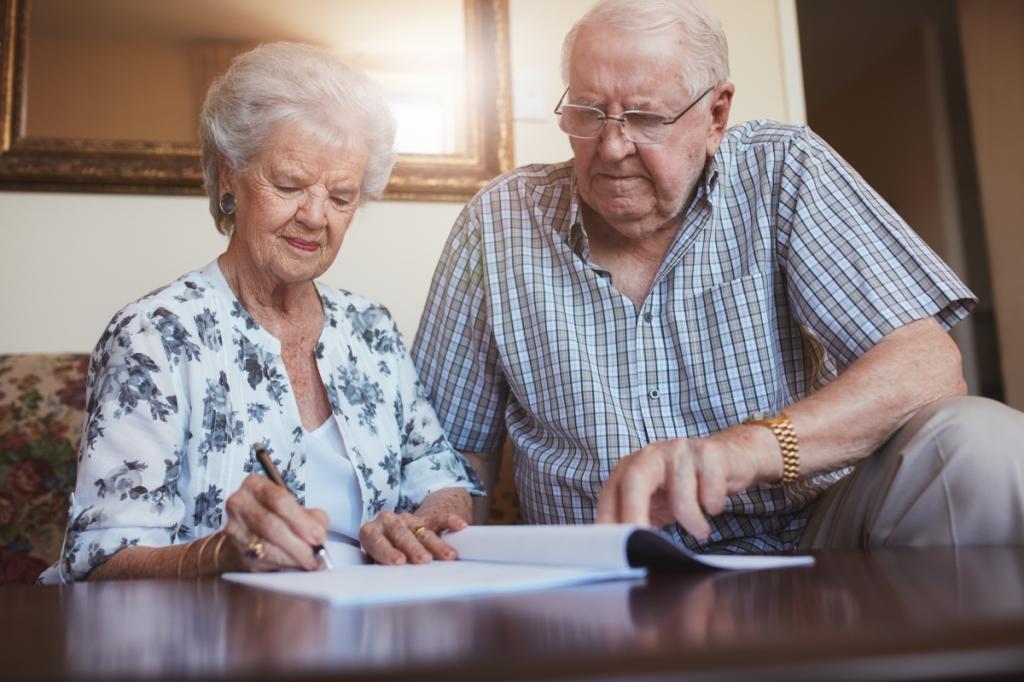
(785, 434)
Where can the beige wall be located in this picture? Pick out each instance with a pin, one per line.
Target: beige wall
(992, 35)
(69, 261)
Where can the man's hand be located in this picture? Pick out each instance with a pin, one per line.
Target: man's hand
(686, 480)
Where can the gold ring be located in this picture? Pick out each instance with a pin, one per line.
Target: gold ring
(255, 550)
(418, 531)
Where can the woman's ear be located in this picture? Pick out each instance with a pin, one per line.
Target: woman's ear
(225, 180)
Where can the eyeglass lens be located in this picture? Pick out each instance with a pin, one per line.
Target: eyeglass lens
(639, 126)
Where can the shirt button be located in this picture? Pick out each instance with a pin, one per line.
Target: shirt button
(647, 317)
(654, 394)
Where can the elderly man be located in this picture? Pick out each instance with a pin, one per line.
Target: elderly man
(705, 328)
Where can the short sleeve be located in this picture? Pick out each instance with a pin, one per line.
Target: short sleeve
(854, 270)
(429, 462)
(454, 348)
(131, 450)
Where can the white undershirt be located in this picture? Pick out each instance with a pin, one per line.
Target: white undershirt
(331, 482)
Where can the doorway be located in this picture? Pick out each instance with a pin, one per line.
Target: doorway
(885, 86)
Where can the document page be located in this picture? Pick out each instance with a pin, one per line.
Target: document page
(613, 546)
(504, 559)
(594, 546)
(378, 584)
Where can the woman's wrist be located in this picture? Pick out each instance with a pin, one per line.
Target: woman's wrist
(217, 568)
(205, 557)
(447, 501)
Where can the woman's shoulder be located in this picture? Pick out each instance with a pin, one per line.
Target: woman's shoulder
(352, 315)
(341, 304)
(186, 290)
(171, 311)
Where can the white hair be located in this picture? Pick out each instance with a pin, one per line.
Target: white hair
(707, 57)
(292, 84)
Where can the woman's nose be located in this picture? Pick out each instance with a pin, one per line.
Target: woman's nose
(312, 211)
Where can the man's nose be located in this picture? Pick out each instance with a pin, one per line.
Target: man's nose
(613, 143)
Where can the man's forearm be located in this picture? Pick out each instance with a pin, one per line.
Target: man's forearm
(854, 415)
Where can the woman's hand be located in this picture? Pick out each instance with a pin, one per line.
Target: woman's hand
(396, 538)
(268, 529)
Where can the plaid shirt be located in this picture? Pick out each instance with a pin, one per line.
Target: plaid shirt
(787, 268)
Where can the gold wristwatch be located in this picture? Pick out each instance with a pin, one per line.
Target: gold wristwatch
(784, 432)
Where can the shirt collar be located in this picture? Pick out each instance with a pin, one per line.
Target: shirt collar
(575, 236)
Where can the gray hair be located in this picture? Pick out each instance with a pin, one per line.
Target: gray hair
(294, 84)
(707, 60)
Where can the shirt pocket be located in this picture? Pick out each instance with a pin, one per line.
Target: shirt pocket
(728, 343)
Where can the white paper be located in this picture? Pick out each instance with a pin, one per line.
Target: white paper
(499, 560)
(595, 546)
(750, 562)
(379, 584)
(598, 546)
(344, 554)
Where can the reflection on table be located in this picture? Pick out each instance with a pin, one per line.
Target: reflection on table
(910, 608)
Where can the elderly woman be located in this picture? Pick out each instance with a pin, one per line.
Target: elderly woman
(251, 352)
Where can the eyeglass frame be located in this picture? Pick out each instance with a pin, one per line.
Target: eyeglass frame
(621, 118)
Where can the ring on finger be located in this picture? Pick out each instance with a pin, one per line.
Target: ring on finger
(255, 549)
(418, 531)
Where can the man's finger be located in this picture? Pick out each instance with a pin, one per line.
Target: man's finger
(608, 500)
(711, 487)
(644, 474)
(682, 496)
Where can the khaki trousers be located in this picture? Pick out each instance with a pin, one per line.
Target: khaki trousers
(952, 475)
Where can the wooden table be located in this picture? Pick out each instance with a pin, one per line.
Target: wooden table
(893, 615)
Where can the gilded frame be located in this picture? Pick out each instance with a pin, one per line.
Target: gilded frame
(57, 164)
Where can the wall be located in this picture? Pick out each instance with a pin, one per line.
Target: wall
(69, 261)
(992, 39)
(920, 180)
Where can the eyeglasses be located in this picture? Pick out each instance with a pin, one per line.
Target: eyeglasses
(639, 127)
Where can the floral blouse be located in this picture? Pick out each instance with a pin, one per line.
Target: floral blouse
(184, 383)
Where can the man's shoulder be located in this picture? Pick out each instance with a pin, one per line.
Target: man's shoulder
(768, 146)
(526, 180)
(761, 132)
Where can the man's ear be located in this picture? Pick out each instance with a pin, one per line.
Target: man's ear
(720, 107)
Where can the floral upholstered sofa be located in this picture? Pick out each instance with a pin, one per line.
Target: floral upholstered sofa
(42, 405)
(42, 408)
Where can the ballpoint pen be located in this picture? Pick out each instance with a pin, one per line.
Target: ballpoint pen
(272, 473)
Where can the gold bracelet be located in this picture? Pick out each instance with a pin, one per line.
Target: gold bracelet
(181, 559)
(784, 432)
(216, 552)
(199, 557)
